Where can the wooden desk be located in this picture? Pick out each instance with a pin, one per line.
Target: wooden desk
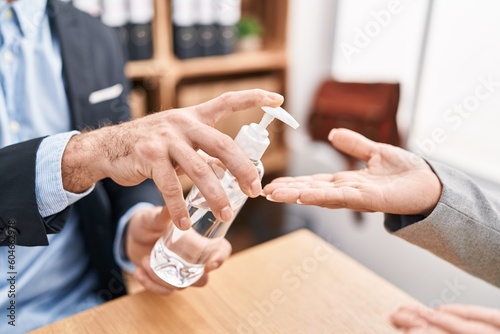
(294, 284)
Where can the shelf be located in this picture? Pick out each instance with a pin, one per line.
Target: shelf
(236, 63)
(164, 73)
(209, 66)
(143, 69)
(165, 81)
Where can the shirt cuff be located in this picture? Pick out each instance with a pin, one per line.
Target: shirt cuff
(394, 223)
(119, 250)
(51, 197)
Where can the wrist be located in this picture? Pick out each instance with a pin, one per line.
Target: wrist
(434, 189)
(82, 162)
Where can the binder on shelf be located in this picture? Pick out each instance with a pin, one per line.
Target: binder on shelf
(140, 41)
(184, 18)
(206, 28)
(115, 14)
(91, 7)
(228, 13)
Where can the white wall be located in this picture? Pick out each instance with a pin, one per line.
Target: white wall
(392, 54)
(457, 115)
(381, 40)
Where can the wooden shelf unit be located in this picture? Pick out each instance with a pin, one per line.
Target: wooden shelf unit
(164, 76)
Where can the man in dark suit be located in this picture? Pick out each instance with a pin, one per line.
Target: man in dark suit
(62, 70)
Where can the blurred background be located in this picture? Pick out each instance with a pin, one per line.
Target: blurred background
(439, 51)
(444, 55)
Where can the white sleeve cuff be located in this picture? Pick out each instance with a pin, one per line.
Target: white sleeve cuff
(50, 194)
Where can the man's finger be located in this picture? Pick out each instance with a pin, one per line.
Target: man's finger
(164, 215)
(352, 143)
(153, 281)
(142, 277)
(219, 256)
(170, 187)
(205, 179)
(230, 102)
(202, 281)
(222, 147)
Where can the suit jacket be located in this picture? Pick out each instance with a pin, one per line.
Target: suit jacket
(463, 229)
(92, 60)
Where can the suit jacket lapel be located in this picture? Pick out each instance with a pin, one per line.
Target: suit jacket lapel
(75, 57)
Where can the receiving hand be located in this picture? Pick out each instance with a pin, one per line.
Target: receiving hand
(143, 230)
(456, 319)
(393, 181)
(161, 145)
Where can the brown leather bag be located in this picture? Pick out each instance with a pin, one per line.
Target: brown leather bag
(367, 108)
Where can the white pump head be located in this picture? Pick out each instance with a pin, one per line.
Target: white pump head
(254, 138)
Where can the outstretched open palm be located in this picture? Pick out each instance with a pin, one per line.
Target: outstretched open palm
(393, 181)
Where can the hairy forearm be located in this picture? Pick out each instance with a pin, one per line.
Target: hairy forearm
(78, 167)
(94, 155)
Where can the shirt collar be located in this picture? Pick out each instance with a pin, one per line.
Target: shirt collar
(29, 13)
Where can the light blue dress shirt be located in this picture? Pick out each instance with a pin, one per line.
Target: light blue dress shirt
(55, 281)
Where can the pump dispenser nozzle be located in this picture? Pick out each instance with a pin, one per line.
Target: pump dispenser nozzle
(280, 114)
(254, 138)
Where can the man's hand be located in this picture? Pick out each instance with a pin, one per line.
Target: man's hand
(143, 230)
(163, 144)
(394, 181)
(456, 319)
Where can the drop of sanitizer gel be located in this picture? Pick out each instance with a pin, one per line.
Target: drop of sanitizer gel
(179, 257)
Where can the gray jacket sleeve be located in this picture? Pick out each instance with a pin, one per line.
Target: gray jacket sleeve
(463, 229)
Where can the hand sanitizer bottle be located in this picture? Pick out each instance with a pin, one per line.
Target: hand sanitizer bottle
(179, 257)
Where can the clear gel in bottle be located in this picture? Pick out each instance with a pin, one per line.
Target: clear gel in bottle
(179, 257)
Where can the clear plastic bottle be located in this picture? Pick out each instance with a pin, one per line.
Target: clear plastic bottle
(179, 257)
